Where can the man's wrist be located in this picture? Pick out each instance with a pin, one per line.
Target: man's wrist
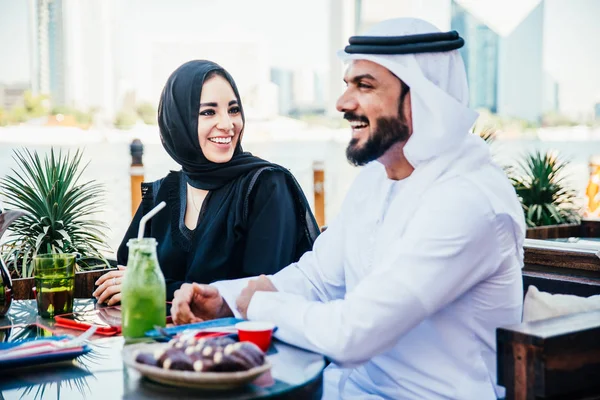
(224, 310)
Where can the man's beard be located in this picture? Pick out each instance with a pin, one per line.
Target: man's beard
(390, 130)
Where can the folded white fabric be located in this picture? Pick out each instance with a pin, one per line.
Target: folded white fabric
(541, 305)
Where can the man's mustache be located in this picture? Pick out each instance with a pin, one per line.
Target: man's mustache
(350, 116)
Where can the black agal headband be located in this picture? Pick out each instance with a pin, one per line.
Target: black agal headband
(410, 44)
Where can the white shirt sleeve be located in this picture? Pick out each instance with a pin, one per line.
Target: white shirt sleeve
(317, 276)
(230, 290)
(450, 245)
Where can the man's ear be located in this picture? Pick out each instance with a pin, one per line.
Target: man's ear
(407, 112)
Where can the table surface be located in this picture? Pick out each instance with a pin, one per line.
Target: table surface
(101, 374)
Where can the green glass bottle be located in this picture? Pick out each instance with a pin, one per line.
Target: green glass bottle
(143, 294)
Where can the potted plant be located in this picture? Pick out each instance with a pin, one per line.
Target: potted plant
(544, 192)
(59, 210)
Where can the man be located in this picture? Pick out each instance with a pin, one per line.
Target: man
(405, 289)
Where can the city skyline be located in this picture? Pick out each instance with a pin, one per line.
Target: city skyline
(496, 82)
(293, 46)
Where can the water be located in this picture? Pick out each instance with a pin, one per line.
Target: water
(109, 164)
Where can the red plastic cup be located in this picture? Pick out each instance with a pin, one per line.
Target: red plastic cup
(259, 333)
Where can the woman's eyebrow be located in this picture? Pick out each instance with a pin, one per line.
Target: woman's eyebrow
(232, 102)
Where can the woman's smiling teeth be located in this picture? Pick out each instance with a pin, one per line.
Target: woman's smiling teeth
(221, 140)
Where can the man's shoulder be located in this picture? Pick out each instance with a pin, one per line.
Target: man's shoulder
(456, 193)
(472, 198)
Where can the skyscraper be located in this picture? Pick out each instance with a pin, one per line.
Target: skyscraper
(480, 57)
(283, 78)
(72, 51)
(48, 49)
(520, 68)
(503, 57)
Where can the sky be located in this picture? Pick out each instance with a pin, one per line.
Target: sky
(296, 32)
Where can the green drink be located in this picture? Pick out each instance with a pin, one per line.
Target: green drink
(54, 283)
(54, 295)
(144, 295)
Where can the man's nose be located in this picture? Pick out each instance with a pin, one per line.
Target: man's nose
(346, 102)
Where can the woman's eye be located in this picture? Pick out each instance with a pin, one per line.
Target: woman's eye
(234, 110)
(207, 112)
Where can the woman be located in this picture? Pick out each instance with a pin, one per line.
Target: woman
(229, 214)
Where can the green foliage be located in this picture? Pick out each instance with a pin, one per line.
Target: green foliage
(18, 115)
(81, 117)
(505, 123)
(4, 117)
(555, 119)
(59, 210)
(125, 120)
(147, 113)
(545, 195)
(35, 105)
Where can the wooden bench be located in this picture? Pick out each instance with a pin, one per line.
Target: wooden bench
(557, 358)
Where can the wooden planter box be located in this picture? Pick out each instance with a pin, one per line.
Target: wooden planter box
(588, 228)
(84, 285)
(554, 231)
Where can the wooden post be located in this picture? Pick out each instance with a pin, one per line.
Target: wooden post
(136, 173)
(319, 191)
(593, 189)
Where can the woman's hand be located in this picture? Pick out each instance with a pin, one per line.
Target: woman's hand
(109, 287)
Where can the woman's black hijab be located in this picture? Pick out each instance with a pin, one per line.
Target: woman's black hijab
(178, 122)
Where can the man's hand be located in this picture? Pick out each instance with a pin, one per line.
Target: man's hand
(261, 284)
(194, 302)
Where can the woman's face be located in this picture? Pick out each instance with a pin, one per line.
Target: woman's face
(219, 120)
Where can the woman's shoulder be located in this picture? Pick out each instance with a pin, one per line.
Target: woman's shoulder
(168, 182)
(172, 176)
(271, 173)
(268, 179)
(272, 180)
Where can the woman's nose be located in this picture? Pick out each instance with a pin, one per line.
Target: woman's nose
(225, 123)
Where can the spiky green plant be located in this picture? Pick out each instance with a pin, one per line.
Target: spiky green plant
(59, 211)
(541, 186)
(487, 133)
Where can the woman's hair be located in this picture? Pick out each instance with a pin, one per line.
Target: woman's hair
(218, 72)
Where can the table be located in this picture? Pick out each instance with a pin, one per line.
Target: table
(101, 374)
